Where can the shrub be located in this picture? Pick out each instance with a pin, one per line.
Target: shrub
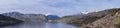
(118, 22)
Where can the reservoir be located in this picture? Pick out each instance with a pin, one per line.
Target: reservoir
(44, 25)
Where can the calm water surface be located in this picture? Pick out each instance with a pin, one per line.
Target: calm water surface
(45, 25)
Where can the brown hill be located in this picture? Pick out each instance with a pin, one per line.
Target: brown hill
(102, 19)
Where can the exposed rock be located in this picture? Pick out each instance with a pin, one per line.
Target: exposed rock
(108, 21)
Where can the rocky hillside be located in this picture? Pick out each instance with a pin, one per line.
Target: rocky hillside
(5, 20)
(111, 20)
(103, 19)
(28, 18)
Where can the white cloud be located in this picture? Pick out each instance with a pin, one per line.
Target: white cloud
(59, 7)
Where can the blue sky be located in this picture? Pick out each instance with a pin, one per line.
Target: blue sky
(57, 7)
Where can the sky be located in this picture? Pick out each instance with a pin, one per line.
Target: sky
(56, 7)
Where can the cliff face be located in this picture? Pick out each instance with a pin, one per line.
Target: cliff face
(28, 18)
(5, 20)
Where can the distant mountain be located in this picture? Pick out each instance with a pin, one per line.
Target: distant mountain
(75, 15)
(29, 18)
(52, 17)
(5, 20)
(109, 18)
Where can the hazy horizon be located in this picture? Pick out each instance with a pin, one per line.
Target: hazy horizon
(56, 7)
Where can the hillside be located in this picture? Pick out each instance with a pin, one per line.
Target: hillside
(103, 19)
(109, 21)
(5, 20)
(68, 18)
(28, 18)
(83, 17)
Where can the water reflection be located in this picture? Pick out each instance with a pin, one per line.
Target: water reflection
(45, 25)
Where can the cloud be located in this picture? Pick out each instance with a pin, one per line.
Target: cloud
(58, 7)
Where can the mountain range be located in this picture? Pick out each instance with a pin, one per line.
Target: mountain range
(31, 18)
(109, 18)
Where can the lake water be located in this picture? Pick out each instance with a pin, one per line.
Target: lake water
(45, 25)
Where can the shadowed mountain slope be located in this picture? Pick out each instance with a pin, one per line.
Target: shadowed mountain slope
(28, 18)
(5, 20)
